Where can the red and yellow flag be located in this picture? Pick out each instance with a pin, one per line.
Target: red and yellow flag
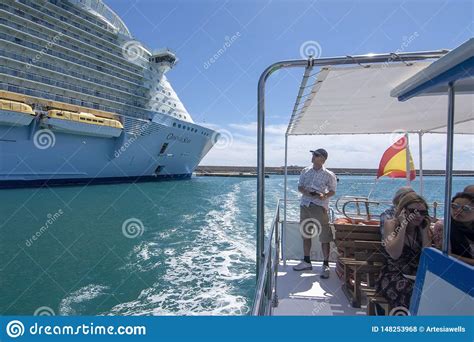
(393, 162)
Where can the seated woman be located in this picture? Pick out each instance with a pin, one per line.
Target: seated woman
(462, 228)
(404, 237)
(390, 212)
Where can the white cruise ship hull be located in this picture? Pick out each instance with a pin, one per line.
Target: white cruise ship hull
(36, 156)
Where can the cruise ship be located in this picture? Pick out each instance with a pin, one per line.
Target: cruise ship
(82, 101)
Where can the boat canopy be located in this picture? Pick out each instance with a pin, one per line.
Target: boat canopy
(357, 100)
(457, 65)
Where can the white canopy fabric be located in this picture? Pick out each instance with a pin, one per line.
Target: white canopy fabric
(356, 100)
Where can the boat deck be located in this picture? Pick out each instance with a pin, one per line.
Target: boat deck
(306, 294)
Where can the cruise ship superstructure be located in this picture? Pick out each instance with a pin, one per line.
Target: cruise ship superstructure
(81, 101)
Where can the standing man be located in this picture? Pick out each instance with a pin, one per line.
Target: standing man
(317, 185)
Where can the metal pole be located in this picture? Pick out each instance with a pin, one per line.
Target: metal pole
(261, 153)
(283, 234)
(407, 160)
(420, 146)
(449, 169)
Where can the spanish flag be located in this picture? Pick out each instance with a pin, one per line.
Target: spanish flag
(393, 162)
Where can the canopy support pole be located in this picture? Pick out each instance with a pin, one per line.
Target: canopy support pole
(449, 169)
(283, 234)
(420, 146)
(260, 255)
(407, 159)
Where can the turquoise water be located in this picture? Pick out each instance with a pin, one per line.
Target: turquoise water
(178, 247)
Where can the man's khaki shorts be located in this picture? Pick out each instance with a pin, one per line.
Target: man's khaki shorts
(317, 218)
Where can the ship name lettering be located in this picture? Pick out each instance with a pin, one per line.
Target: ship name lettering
(184, 140)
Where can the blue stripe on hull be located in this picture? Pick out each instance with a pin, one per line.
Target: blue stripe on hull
(15, 184)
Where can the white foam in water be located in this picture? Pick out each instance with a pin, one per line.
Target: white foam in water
(72, 304)
(143, 257)
(201, 280)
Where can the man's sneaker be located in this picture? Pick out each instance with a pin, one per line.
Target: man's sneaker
(303, 266)
(325, 270)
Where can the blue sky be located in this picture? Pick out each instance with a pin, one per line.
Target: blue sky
(222, 93)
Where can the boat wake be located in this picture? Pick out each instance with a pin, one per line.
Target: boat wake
(76, 302)
(205, 274)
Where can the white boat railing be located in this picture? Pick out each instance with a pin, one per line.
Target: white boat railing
(265, 295)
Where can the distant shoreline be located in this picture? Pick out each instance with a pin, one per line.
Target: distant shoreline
(296, 170)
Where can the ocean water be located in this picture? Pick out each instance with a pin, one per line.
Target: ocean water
(168, 248)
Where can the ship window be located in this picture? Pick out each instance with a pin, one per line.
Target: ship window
(59, 114)
(82, 118)
(188, 128)
(184, 127)
(179, 126)
(158, 169)
(163, 148)
(174, 124)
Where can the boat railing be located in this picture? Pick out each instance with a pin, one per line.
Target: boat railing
(362, 208)
(276, 250)
(265, 294)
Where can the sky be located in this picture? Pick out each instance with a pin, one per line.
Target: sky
(221, 92)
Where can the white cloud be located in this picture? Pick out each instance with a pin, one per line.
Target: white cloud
(357, 151)
(252, 128)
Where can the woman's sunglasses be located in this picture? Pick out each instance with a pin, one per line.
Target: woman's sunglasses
(465, 208)
(418, 212)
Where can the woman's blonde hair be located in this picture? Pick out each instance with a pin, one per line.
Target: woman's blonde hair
(411, 198)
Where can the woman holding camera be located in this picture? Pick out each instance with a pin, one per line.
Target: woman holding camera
(404, 237)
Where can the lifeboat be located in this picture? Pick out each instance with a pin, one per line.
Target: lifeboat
(13, 113)
(82, 123)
